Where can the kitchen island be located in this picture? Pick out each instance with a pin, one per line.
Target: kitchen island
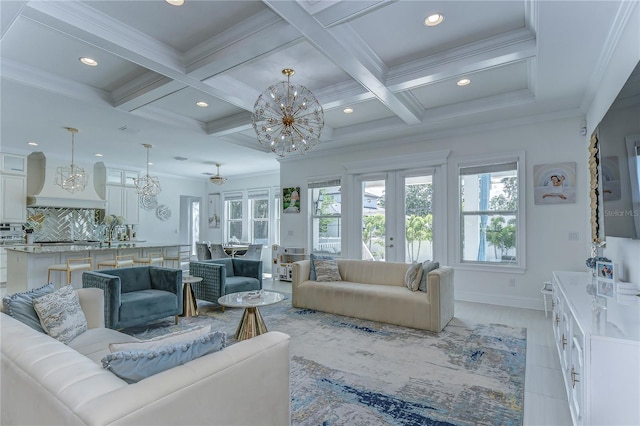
(27, 265)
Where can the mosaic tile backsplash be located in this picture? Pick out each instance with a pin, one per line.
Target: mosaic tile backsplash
(65, 224)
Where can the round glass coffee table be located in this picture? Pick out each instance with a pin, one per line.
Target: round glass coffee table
(251, 324)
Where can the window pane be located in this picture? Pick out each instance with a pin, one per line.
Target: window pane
(489, 238)
(326, 201)
(418, 195)
(235, 209)
(495, 191)
(328, 231)
(235, 230)
(261, 232)
(260, 209)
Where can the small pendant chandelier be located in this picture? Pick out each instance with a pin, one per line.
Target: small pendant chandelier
(147, 186)
(217, 179)
(288, 118)
(71, 178)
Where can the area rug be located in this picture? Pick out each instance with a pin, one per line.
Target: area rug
(346, 371)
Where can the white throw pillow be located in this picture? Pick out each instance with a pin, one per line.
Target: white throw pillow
(327, 270)
(60, 314)
(159, 342)
(413, 276)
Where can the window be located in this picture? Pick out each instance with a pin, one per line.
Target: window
(233, 215)
(490, 214)
(326, 218)
(259, 216)
(277, 209)
(194, 232)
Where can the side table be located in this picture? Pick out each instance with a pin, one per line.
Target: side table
(189, 304)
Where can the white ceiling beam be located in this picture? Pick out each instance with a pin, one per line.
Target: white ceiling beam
(365, 72)
(9, 12)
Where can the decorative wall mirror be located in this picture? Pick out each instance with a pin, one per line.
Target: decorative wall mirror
(614, 166)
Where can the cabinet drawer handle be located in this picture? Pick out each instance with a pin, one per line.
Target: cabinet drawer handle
(553, 304)
(564, 344)
(574, 380)
(557, 319)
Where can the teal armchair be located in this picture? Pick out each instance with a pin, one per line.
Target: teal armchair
(224, 276)
(137, 295)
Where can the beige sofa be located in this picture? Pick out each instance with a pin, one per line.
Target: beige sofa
(376, 291)
(45, 382)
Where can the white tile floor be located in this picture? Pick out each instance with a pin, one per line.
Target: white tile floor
(545, 400)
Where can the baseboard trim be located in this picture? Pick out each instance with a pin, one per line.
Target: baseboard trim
(510, 301)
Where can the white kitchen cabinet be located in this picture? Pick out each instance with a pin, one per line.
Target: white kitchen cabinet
(13, 188)
(123, 201)
(598, 342)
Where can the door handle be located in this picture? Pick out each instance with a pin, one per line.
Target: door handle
(390, 245)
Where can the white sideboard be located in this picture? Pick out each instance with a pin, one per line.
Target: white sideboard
(598, 342)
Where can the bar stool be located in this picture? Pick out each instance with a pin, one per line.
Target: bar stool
(72, 265)
(547, 290)
(178, 258)
(118, 262)
(154, 257)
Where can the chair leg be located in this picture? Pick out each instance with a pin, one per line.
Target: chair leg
(222, 309)
(176, 319)
(68, 277)
(48, 276)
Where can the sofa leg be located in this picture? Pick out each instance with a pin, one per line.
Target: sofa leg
(176, 319)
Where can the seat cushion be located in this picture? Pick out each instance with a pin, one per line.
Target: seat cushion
(135, 306)
(237, 284)
(94, 343)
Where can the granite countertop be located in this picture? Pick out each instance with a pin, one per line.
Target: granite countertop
(38, 249)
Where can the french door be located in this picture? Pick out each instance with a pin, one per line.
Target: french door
(396, 212)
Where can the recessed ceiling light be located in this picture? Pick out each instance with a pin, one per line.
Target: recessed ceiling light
(434, 19)
(98, 154)
(89, 61)
(463, 82)
(150, 163)
(175, 2)
(32, 143)
(347, 110)
(202, 104)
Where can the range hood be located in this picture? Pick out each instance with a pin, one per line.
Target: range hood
(43, 192)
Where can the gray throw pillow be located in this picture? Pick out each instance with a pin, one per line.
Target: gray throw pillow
(327, 270)
(413, 276)
(427, 266)
(20, 306)
(312, 271)
(133, 366)
(60, 314)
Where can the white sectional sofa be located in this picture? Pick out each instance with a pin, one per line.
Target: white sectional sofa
(376, 291)
(45, 382)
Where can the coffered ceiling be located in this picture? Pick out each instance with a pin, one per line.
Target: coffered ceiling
(525, 59)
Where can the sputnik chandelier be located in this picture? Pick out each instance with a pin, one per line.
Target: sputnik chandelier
(71, 178)
(288, 118)
(147, 186)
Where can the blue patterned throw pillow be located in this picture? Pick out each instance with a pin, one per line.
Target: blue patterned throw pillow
(314, 257)
(133, 366)
(327, 270)
(60, 314)
(20, 306)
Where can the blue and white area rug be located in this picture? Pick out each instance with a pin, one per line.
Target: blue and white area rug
(346, 371)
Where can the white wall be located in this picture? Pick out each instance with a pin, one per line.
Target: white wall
(547, 226)
(154, 230)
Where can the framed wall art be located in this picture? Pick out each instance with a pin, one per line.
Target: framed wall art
(606, 271)
(291, 200)
(214, 211)
(555, 183)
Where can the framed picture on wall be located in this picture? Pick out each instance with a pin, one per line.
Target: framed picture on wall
(555, 183)
(214, 208)
(291, 200)
(605, 288)
(606, 271)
